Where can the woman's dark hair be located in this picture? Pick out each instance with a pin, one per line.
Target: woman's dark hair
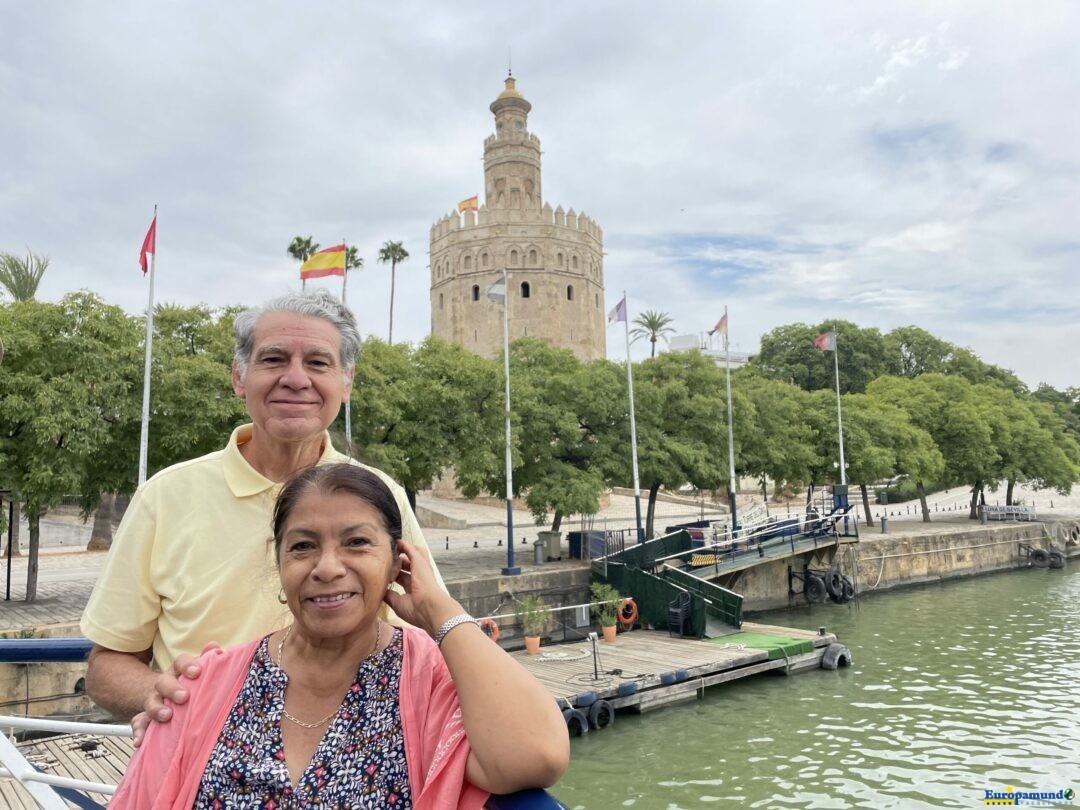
(331, 479)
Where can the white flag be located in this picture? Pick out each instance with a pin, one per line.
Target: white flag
(497, 292)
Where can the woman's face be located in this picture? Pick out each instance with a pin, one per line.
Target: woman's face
(336, 562)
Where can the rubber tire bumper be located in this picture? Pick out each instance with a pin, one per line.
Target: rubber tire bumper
(601, 714)
(836, 655)
(577, 723)
(1057, 559)
(814, 588)
(834, 584)
(1040, 557)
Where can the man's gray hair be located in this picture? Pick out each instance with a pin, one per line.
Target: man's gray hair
(315, 304)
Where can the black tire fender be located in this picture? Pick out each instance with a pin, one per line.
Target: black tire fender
(849, 589)
(1040, 557)
(814, 588)
(1057, 559)
(601, 714)
(836, 655)
(577, 723)
(834, 583)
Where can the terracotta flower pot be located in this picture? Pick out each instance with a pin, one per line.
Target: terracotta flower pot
(532, 644)
(609, 633)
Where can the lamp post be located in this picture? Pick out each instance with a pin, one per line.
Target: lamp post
(503, 296)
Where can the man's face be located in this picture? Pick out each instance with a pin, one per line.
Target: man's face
(295, 383)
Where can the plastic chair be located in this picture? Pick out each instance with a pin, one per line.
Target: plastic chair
(678, 614)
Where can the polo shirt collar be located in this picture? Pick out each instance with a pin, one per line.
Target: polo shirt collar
(243, 479)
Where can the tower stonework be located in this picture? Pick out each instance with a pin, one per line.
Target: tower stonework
(554, 258)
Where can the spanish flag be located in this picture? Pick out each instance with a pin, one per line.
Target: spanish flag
(326, 262)
(470, 204)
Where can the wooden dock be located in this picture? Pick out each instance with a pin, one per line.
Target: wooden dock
(663, 670)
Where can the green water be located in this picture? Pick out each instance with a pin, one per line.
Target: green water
(956, 688)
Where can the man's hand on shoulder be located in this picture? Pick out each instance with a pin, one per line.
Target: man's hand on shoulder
(168, 689)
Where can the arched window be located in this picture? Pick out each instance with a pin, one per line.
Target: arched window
(573, 263)
(569, 292)
(513, 257)
(532, 258)
(524, 289)
(475, 292)
(440, 301)
(484, 259)
(559, 259)
(468, 263)
(596, 297)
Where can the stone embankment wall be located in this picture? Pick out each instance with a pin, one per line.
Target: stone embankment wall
(884, 561)
(44, 689)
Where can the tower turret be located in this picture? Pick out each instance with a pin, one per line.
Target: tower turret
(512, 155)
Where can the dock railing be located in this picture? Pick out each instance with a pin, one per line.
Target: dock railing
(52, 792)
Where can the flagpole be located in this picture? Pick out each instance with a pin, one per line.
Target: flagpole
(839, 418)
(510, 569)
(730, 427)
(144, 428)
(633, 422)
(348, 402)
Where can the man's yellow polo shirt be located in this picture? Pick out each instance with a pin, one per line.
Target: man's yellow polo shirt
(192, 561)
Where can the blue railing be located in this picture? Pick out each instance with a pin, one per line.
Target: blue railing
(74, 650)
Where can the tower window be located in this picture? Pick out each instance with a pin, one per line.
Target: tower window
(440, 301)
(484, 259)
(532, 258)
(573, 263)
(524, 289)
(513, 257)
(596, 297)
(468, 262)
(569, 292)
(475, 292)
(559, 259)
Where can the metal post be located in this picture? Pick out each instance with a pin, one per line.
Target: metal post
(144, 430)
(731, 432)
(510, 568)
(10, 544)
(633, 426)
(839, 419)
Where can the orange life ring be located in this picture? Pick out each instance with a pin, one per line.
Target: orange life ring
(490, 628)
(628, 612)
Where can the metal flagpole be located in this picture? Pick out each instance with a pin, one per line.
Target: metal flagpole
(633, 422)
(839, 419)
(144, 429)
(348, 402)
(730, 427)
(510, 567)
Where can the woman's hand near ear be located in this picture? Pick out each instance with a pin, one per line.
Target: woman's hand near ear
(422, 603)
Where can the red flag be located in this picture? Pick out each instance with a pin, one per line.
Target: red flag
(826, 341)
(721, 326)
(149, 245)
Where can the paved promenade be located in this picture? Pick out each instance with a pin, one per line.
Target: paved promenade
(67, 572)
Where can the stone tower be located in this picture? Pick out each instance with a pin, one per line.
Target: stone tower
(554, 258)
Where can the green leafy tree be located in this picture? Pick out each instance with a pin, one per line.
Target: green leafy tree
(302, 248)
(652, 324)
(392, 253)
(21, 277)
(912, 351)
(788, 353)
(425, 410)
(353, 259)
(66, 397)
(681, 425)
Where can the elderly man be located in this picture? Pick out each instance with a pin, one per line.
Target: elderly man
(189, 563)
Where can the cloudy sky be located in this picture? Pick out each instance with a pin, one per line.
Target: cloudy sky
(889, 163)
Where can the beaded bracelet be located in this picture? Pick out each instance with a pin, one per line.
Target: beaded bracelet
(451, 623)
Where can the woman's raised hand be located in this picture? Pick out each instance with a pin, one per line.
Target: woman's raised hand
(424, 603)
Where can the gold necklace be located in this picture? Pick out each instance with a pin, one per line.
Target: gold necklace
(281, 660)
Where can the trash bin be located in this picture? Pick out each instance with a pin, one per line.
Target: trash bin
(552, 544)
(538, 552)
(574, 541)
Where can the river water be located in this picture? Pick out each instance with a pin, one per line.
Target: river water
(956, 688)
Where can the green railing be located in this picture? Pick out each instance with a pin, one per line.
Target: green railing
(724, 605)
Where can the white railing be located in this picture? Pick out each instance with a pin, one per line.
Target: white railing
(38, 784)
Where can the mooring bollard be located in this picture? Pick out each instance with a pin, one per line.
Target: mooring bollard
(982, 515)
(884, 524)
(538, 552)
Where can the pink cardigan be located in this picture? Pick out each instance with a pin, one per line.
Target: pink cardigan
(167, 769)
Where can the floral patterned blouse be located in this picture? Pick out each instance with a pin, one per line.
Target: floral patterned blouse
(359, 763)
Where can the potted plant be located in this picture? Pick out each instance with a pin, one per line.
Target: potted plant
(533, 615)
(605, 607)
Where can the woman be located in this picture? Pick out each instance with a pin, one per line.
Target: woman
(341, 709)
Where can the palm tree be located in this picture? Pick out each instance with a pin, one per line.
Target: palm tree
(392, 252)
(20, 277)
(301, 248)
(652, 324)
(353, 259)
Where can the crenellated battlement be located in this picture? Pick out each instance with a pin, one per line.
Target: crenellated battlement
(485, 217)
(511, 138)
